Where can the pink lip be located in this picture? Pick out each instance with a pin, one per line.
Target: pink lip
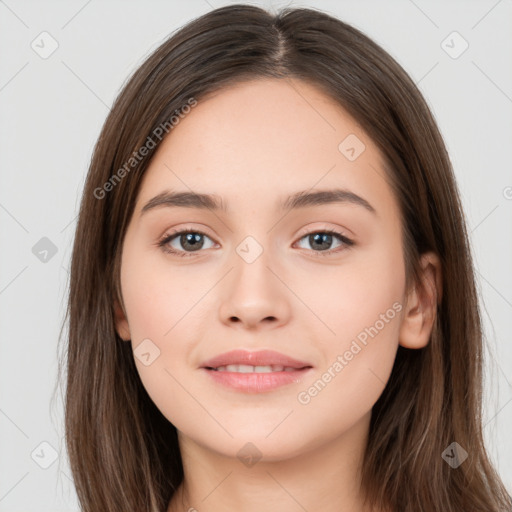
(255, 382)
(259, 358)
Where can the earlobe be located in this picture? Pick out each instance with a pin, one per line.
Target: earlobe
(421, 305)
(121, 322)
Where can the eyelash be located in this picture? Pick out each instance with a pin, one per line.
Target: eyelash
(184, 254)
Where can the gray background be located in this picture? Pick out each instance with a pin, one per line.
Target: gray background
(52, 110)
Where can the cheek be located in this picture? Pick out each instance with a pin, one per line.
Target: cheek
(361, 309)
(349, 297)
(156, 295)
(364, 304)
(162, 303)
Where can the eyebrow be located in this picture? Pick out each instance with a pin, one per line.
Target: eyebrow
(302, 199)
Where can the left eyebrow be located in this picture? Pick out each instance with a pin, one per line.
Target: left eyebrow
(302, 199)
(305, 199)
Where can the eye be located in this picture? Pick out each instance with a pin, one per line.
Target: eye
(190, 240)
(323, 239)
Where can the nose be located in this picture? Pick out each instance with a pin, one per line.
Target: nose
(254, 296)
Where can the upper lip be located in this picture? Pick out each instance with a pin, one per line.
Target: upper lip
(259, 358)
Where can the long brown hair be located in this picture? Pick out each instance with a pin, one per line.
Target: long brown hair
(123, 452)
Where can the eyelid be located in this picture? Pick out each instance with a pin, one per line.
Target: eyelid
(186, 228)
(307, 230)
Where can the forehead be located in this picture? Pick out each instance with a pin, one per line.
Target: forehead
(258, 142)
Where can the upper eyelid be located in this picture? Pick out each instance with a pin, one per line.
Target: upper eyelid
(303, 232)
(171, 234)
(341, 231)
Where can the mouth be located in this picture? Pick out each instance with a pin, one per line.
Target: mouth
(261, 361)
(255, 372)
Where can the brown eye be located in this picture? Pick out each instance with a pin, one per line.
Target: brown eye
(321, 241)
(184, 242)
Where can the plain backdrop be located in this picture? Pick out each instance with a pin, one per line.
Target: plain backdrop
(53, 106)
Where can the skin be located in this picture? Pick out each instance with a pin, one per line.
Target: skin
(254, 144)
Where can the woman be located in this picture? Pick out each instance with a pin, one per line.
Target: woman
(272, 300)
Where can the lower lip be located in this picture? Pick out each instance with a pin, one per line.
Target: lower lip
(257, 382)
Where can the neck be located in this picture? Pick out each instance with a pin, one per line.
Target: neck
(324, 477)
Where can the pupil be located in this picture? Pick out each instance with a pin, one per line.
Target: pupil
(193, 240)
(321, 237)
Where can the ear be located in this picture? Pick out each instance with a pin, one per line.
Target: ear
(122, 327)
(421, 304)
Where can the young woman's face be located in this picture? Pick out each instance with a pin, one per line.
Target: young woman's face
(260, 275)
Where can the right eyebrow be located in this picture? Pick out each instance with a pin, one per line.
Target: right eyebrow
(185, 200)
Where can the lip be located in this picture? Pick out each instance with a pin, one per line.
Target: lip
(258, 358)
(256, 382)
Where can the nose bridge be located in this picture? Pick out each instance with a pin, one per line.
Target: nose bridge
(252, 260)
(254, 234)
(253, 292)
